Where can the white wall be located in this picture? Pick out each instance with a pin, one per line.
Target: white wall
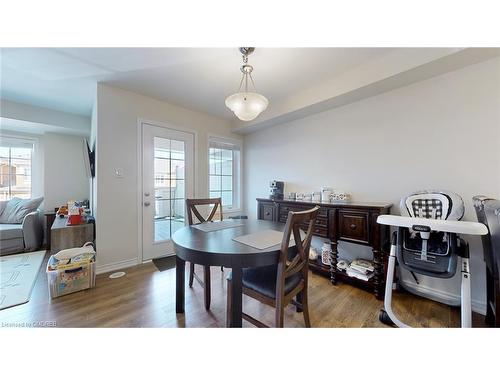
(65, 177)
(440, 133)
(117, 216)
(33, 115)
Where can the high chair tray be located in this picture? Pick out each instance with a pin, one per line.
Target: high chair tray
(450, 226)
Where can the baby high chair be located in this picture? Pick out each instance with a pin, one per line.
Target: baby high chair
(427, 243)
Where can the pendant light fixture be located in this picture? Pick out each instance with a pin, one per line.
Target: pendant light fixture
(245, 104)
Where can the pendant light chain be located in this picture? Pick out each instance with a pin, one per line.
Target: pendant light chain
(241, 82)
(253, 83)
(245, 76)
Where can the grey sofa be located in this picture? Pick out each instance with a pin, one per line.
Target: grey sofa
(24, 236)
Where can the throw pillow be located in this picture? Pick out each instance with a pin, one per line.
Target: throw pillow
(16, 209)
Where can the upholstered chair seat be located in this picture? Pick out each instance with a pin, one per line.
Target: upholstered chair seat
(263, 280)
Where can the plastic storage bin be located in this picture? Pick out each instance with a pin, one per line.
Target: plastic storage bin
(70, 279)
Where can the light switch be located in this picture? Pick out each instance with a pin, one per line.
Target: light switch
(119, 172)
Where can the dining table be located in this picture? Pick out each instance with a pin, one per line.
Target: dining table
(219, 248)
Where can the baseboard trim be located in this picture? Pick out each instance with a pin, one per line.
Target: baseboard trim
(479, 306)
(116, 266)
(445, 297)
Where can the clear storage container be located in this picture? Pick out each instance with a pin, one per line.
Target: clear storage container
(71, 278)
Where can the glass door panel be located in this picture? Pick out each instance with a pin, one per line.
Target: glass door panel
(169, 186)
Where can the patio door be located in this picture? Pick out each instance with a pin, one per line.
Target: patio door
(167, 180)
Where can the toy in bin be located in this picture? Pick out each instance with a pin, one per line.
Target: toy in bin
(75, 215)
(71, 270)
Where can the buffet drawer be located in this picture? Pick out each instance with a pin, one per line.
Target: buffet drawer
(267, 212)
(321, 226)
(354, 226)
(284, 209)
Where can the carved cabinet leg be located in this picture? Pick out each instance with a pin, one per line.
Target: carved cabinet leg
(333, 262)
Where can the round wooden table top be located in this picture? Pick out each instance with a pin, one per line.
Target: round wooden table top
(218, 248)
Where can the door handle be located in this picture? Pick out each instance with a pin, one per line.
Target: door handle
(147, 204)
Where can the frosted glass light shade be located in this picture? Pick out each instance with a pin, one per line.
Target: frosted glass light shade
(247, 105)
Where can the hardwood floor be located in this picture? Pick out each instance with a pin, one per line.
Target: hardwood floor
(145, 297)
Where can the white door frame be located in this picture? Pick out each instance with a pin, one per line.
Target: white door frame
(140, 192)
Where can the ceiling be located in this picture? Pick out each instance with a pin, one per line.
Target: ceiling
(64, 79)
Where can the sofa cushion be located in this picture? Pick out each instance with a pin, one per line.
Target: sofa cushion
(12, 246)
(16, 209)
(3, 204)
(10, 231)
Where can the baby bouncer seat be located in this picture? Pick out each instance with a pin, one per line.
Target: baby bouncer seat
(427, 243)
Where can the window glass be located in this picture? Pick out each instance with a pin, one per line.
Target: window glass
(15, 172)
(169, 174)
(223, 172)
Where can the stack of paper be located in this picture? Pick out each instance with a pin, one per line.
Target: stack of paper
(358, 275)
(362, 265)
(361, 269)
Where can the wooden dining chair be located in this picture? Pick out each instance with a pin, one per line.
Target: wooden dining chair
(192, 208)
(277, 285)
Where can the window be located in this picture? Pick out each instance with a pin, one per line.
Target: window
(224, 172)
(15, 168)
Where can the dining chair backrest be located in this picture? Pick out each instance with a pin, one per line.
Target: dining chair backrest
(299, 263)
(192, 206)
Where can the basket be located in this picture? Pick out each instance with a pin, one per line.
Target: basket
(71, 278)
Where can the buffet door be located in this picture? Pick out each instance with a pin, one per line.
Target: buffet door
(167, 180)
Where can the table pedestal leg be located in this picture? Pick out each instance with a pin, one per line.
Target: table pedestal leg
(180, 270)
(236, 298)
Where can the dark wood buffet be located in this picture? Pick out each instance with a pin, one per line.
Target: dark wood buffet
(341, 221)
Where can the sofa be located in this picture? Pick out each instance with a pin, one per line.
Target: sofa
(21, 227)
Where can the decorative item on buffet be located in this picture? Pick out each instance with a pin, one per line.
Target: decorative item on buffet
(338, 196)
(277, 189)
(325, 194)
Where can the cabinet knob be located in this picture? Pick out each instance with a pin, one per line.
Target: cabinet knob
(268, 213)
(353, 226)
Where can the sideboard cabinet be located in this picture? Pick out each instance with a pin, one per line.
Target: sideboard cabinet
(340, 221)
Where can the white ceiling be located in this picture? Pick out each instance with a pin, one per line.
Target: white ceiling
(197, 78)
